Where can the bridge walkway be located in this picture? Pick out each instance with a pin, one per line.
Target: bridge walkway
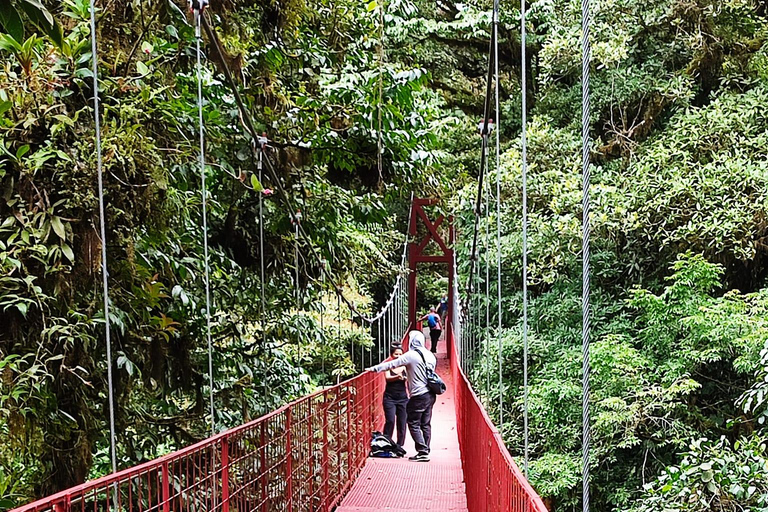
(397, 485)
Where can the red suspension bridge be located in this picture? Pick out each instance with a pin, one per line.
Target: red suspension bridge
(312, 454)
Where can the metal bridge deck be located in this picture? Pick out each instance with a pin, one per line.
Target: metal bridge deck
(397, 485)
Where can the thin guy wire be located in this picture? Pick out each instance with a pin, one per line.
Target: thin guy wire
(486, 229)
(381, 91)
(322, 326)
(204, 192)
(524, 144)
(586, 58)
(261, 239)
(261, 263)
(103, 234)
(498, 219)
(298, 288)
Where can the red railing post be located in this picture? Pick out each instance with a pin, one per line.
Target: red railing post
(311, 447)
(324, 508)
(264, 473)
(288, 458)
(349, 435)
(63, 505)
(225, 474)
(166, 487)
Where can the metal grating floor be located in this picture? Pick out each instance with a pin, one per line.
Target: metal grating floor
(399, 485)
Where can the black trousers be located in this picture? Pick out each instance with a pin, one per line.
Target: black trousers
(395, 414)
(434, 336)
(420, 420)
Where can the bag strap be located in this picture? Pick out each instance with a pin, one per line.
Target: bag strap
(422, 358)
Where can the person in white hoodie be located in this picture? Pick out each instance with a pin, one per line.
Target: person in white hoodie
(421, 401)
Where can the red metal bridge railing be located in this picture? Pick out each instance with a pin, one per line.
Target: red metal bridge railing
(493, 481)
(302, 457)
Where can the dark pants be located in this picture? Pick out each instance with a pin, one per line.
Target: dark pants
(434, 335)
(420, 420)
(394, 411)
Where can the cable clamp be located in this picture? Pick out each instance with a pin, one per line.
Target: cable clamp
(198, 5)
(485, 127)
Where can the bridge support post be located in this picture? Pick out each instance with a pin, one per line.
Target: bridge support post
(324, 506)
(264, 480)
(166, 489)
(225, 474)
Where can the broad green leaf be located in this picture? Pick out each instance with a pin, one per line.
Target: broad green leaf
(256, 184)
(58, 227)
(11, 21)
(67, 251)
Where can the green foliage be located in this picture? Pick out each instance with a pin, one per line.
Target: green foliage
(713, 475)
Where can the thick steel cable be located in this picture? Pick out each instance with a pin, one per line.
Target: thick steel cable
(483, 156)
(586, 58)
(204, 192)
(380, 158)
(103, 234)
(498, 219)
(524, 154)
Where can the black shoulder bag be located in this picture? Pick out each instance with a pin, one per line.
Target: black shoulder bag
(434, 383)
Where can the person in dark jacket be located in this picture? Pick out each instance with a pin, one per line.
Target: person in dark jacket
(395, 397)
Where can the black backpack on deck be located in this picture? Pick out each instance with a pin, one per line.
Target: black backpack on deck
(383, 447)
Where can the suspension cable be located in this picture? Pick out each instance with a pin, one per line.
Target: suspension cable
(103, 234)
(261, 143)
(380, 158)
(524, 154)
(198, 7)
(297, 225)
(498, 217)
(586, 58)
(486, 229)
(484, 131)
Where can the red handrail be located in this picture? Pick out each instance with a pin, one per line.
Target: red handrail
(493, 481)
(303, 456)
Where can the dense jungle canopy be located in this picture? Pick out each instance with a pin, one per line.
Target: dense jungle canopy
(680, 191)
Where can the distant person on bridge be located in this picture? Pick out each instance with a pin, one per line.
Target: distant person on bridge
(419, 408)
(435, 328)
(395, 397)
(442, 308)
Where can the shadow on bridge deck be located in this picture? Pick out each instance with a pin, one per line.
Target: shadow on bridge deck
(396, 485)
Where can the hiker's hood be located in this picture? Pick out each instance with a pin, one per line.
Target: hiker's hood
(415, 339)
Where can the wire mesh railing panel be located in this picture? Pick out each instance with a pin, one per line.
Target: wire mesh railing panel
(302, 457)
(493, 481)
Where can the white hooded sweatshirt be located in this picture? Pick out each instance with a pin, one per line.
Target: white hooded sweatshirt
(417, 373)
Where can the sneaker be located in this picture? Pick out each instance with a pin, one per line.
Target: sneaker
(419, 457)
